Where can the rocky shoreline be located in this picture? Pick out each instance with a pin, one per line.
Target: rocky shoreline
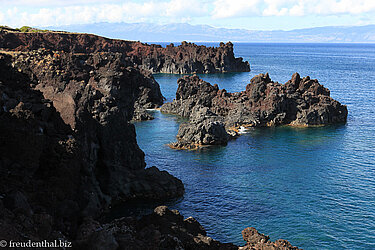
(216, 116)
(164, 229)
(68, 150)
(186, 58)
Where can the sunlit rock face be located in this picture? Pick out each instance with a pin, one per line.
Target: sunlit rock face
(298, 102)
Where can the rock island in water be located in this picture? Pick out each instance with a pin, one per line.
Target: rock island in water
(69, 152)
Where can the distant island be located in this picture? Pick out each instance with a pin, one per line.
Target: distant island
(205, 33)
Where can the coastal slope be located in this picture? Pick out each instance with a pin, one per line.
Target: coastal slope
(183, 59)
(68, 149)
(68, 153)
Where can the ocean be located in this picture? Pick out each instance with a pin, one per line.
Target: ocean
(314, 187)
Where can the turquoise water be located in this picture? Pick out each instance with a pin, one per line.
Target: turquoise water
(312, 186)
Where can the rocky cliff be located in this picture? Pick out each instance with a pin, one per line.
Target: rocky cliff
(299, 102)
(190, 58)
(68, 151)
(184, 59)
(165, 229)
(67, 148)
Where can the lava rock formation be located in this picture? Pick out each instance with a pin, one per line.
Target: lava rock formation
(299, 102)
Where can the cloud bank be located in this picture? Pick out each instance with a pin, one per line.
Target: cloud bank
(55, 13)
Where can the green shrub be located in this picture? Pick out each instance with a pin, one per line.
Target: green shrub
(31, 29)
(25, 29)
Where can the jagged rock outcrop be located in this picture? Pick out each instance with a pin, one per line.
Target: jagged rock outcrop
(67, 148)
(299, 102)
(191, 92)
(149, 97)
(190, 58)
(83, 68)
(184, 59)
(258, 241)
(203, 128)
(163, 229)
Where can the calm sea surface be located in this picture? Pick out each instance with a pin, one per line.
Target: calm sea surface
(312, 186)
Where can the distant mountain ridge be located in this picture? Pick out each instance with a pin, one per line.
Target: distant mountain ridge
(204, 33)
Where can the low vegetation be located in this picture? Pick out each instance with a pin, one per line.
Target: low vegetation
(23, 29)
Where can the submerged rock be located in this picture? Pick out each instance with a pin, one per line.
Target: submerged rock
(299, 102)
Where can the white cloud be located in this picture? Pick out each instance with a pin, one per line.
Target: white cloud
(354, 7)
(48, 3)
(241, 8)
(54, 13)
(274, 11)
(297, 10)
(277, 7)
(125, 12)
(230, 8)
(183, 7)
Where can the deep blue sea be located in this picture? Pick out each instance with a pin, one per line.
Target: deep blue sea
(312, 186)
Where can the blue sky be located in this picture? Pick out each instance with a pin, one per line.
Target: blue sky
(248, 14)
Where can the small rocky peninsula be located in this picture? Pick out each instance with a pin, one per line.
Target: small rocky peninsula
(68, 151)
(186, 58)
(216, 116)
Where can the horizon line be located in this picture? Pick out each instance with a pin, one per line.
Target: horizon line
(217, 27)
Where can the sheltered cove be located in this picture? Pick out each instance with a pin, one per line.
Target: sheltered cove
(70, 151)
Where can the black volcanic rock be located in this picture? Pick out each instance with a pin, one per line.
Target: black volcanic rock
(203, 128)
(95, 96)
(299, 102)
(258, 241)
(184, 59)
(93, 70)
(190, 58)
(149, 97)
(163, 229)
(67, 148)
(191, 92)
